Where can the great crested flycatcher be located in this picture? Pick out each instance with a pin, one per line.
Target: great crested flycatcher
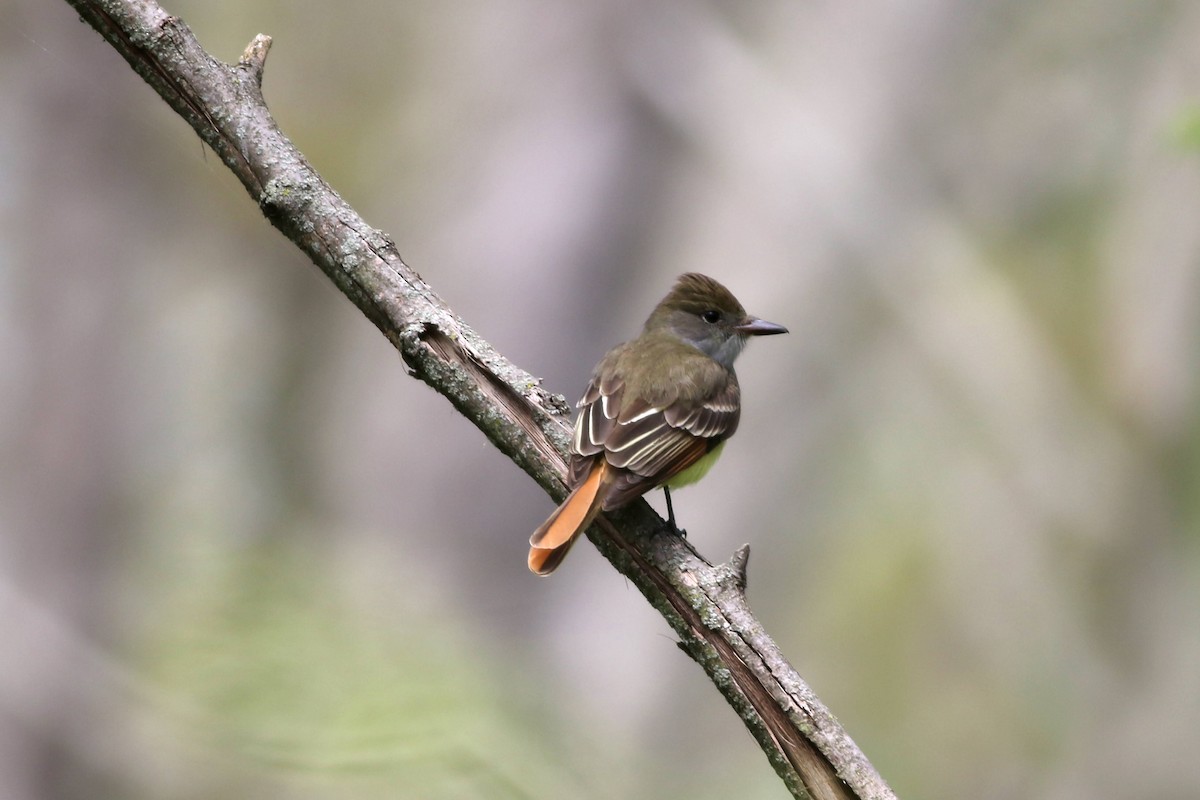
(656, 413)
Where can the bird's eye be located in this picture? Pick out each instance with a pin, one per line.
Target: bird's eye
(711, 316)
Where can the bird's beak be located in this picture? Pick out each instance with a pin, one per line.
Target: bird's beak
(753, 326)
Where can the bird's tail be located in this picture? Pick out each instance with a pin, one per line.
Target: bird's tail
(549, 544)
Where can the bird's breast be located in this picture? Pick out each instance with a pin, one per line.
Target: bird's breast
(698, 470)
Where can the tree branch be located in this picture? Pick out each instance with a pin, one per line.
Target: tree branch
(705, 604)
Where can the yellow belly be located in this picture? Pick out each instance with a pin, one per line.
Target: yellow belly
(698, 470)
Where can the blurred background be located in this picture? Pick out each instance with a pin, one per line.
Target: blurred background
(242, 554)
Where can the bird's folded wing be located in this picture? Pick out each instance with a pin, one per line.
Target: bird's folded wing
(650, 442)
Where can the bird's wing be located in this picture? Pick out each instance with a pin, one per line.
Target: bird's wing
(649, 439)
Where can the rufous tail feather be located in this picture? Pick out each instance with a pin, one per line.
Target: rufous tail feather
(549, 544)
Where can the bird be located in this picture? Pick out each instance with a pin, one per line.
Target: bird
(656, 412)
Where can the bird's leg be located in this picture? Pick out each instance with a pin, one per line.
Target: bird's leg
(671, 515)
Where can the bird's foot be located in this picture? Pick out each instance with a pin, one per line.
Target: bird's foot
(669, 526)
(670, 523)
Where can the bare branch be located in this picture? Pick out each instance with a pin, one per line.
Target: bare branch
(706, 605)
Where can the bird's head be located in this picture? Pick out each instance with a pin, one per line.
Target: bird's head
(706, 315)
